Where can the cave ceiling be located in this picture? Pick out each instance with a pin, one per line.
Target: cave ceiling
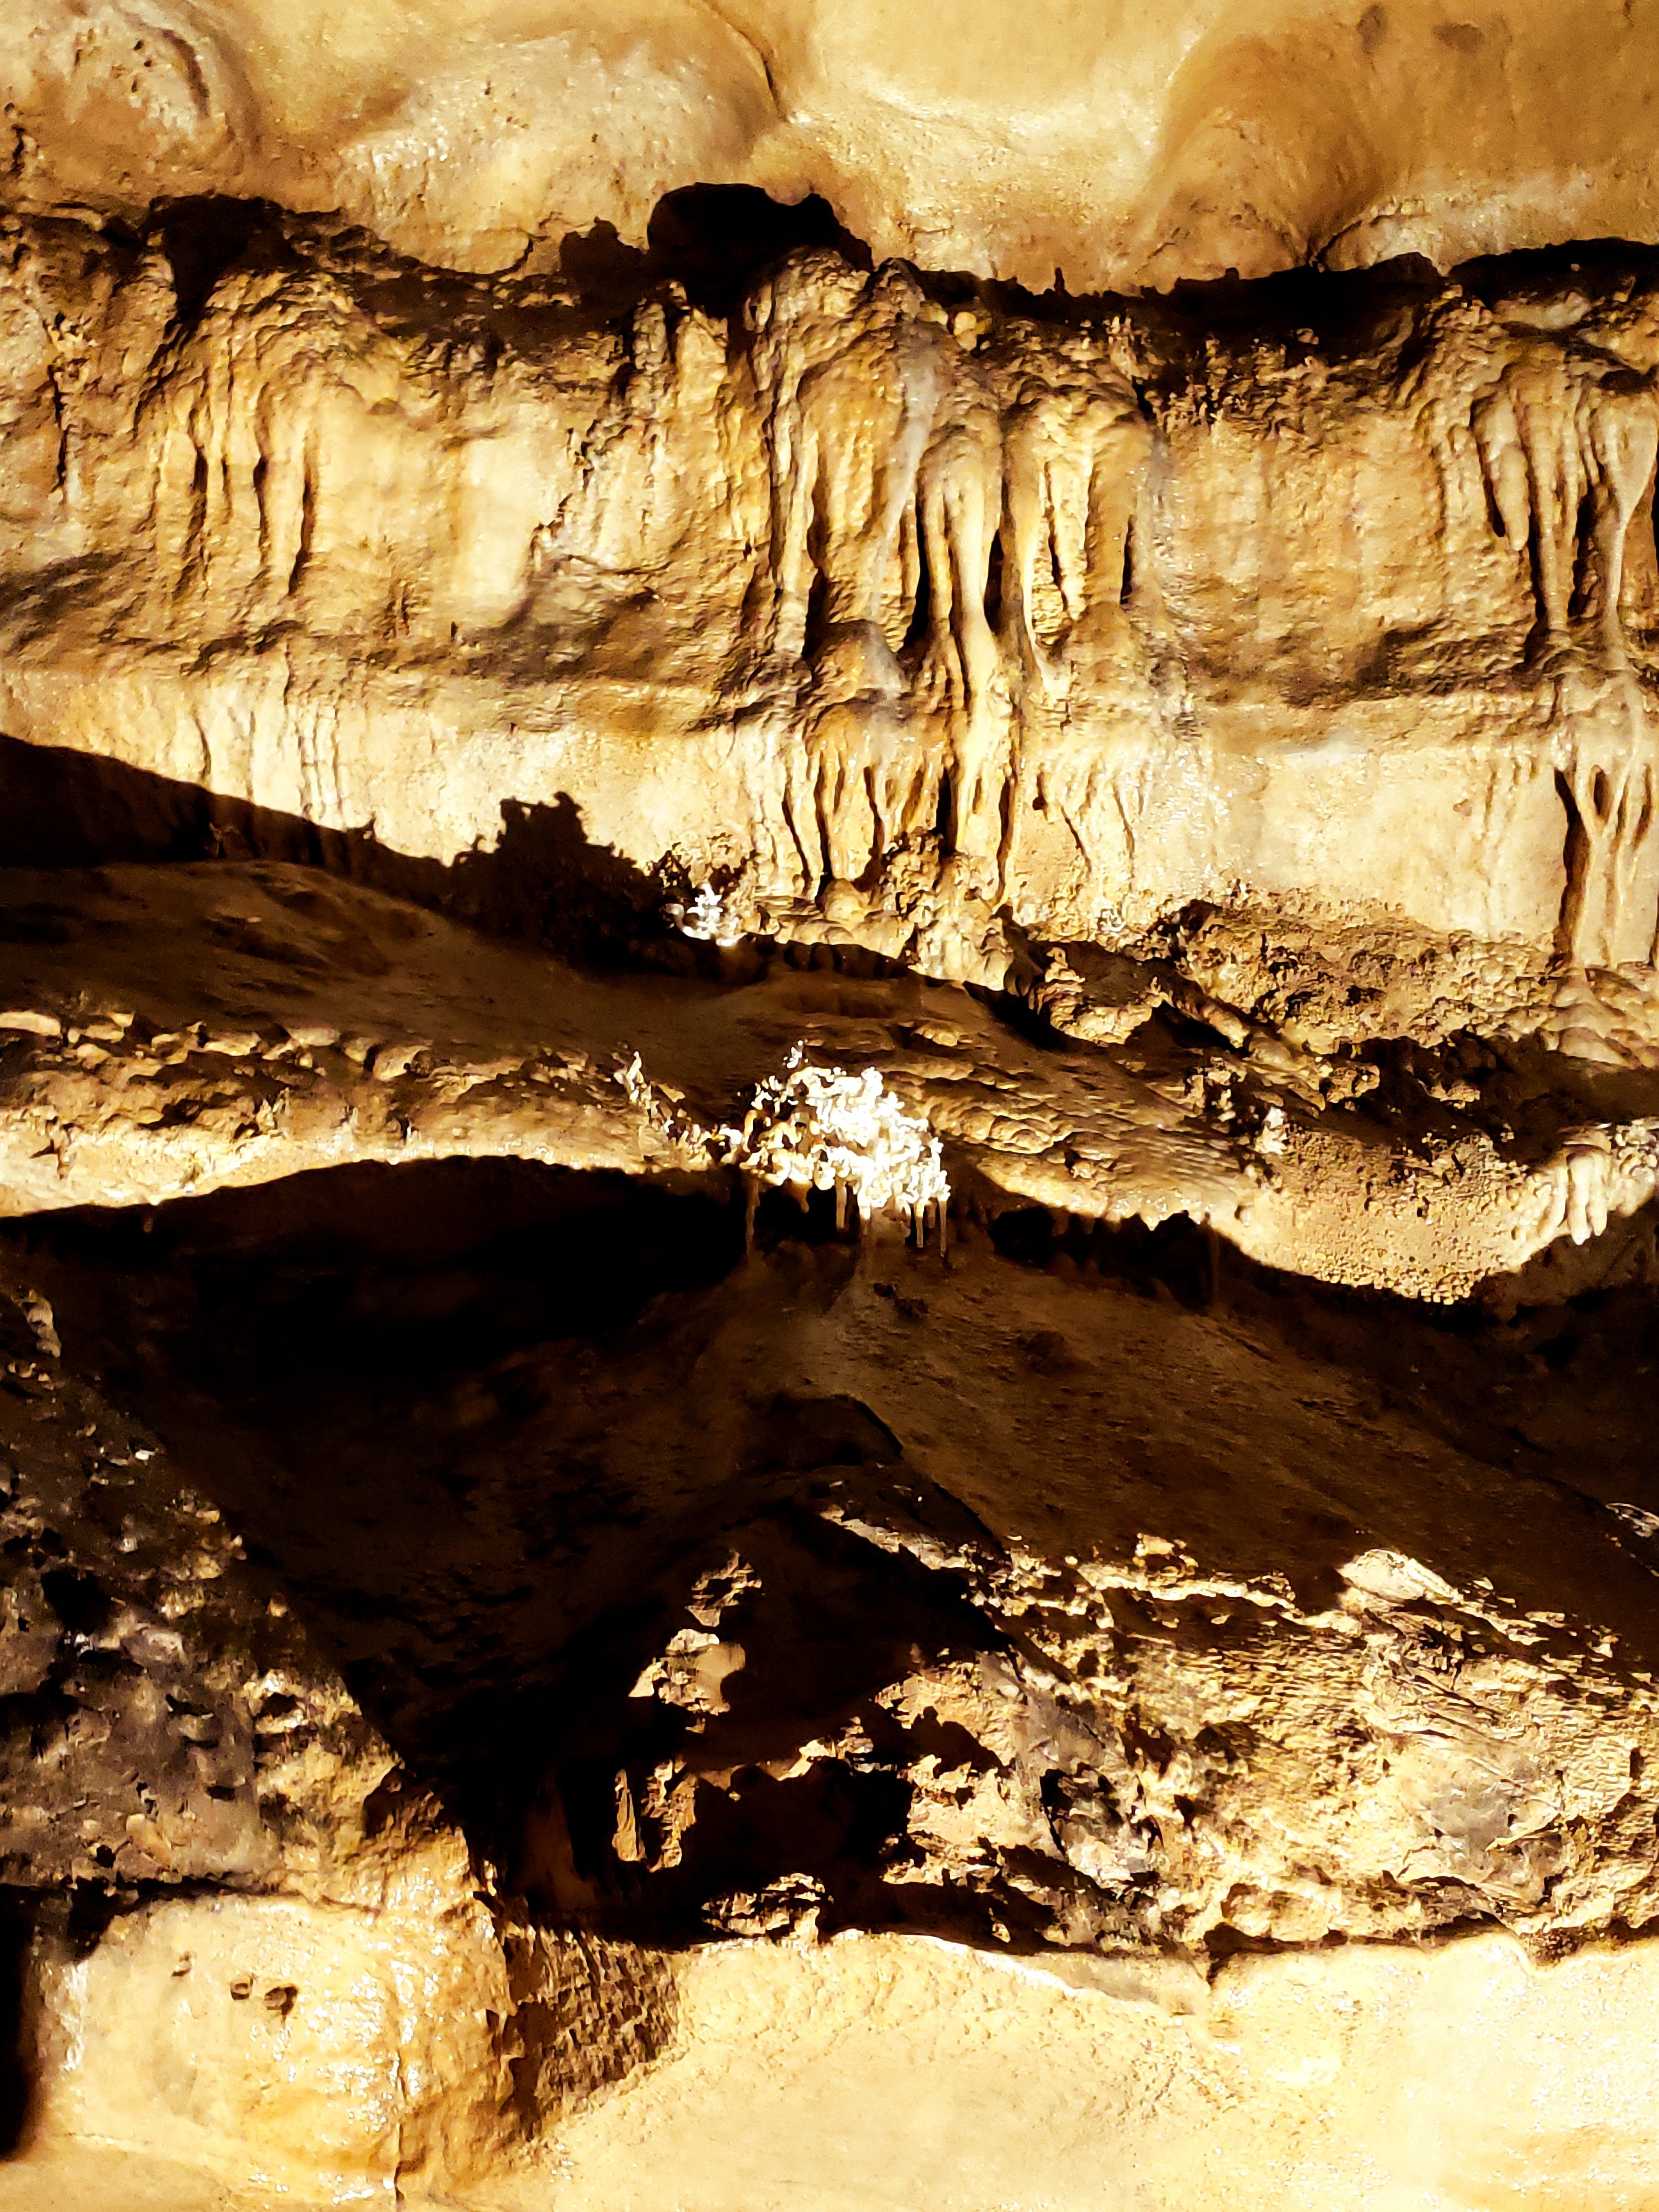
(1100, 147)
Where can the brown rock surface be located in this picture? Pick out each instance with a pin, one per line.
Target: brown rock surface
(828, 1106)
(1143, 145)
(176, 1030)
(863, 613)
(1050, 1595)
(226, 1867)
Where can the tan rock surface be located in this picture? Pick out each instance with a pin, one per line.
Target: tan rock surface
(177, 1029)
(1113, 147)
(829, 1105)
(1001, 1599)
(1377, 2077)
(1381, 2078)
(938, 631)
(1364, 2076)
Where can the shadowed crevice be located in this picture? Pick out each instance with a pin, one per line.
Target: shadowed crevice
(543, 878)
(17, 2067)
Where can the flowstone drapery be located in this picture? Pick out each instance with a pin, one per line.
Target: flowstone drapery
(1059, 621)
(829, 1107)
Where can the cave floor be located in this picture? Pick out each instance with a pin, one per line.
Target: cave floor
(883, 2074)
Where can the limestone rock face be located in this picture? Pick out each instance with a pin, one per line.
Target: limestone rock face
(1052, 1596)
(932, 623)
(1293, 681)
(1144, 145)
(829, 1105)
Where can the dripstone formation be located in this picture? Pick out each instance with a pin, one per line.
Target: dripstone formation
(828, 1115)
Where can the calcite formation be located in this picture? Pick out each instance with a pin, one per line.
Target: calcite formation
(828, 1106)
(1111, 147)
(952, 629)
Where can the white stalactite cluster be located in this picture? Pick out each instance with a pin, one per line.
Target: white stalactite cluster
(707, 918)
(817, 1128)
(820, 1128)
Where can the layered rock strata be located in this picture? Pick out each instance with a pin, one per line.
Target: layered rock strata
(1046, 1594)
(177, 1029)
(829, 1105)
(952, 625)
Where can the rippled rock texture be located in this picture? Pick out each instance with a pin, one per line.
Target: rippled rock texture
(829, 1111)
(914, 614)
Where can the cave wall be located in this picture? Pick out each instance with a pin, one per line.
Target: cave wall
(1117, 149)
(829, 1105)
(1061, 619)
